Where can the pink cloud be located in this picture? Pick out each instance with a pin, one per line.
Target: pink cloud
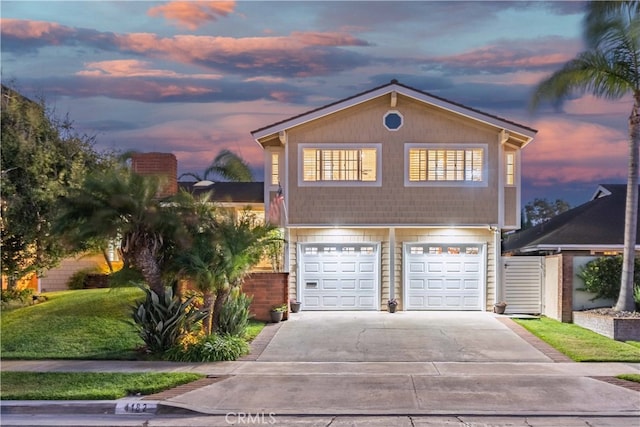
(567, 151)
(192, 14)
(134, 68)
(23, 29)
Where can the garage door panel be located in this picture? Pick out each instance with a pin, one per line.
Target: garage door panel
(348, 267)
(348, 284)
(368, 285)
(416, 284)
(367, 267)
(444, 277)
(329, 284)
(330, 267)
(311, 267)
(435, 284)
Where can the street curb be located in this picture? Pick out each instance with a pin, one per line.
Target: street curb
(162, 408)
(88, 407)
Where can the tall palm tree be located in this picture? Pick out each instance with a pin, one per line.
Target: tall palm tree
(119, 204)
(609, 68)
(227, 165)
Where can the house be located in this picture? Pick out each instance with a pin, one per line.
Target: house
(394, 193)
(570, 240)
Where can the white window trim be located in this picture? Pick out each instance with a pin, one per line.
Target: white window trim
(427, 146)
(376, 183)
(515, 168)
(384, 120)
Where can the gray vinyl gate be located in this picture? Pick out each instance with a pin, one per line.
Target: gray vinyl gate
(523, 280)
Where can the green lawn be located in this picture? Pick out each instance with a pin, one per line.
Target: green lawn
(88, 324)
(84, 324)
(630, 377)
(581, 345)
(86, 385)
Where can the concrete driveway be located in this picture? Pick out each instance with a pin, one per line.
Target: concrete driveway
(399, 337)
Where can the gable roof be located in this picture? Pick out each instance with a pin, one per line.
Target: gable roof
(595, 225)
(524, 133)
(227, 192)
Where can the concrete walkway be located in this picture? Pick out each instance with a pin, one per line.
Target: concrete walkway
(381, 365)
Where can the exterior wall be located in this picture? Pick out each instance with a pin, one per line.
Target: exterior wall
(402, 235)
(552, 287)
(392, 202)
(267, 290)
(56, 279)
(510, 207)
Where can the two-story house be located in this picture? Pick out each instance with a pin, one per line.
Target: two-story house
(395, 193)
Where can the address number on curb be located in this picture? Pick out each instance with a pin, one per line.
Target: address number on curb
(132, 408)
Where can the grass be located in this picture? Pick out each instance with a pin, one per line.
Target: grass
(580, 344)
(84, 324)
(254, 328)
(88, 324)
(630, 377)
(86, 385)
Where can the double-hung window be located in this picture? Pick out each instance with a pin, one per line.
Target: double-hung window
(450, 165)
(339, 164)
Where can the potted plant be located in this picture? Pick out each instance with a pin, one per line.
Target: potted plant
(277, 311)
(295, 306)
(499, 307)
(392, 304)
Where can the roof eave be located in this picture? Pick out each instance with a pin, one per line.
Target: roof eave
(524, 133)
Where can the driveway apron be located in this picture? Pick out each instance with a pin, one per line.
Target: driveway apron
(398, 337)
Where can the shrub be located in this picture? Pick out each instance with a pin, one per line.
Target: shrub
(162, 321)
(235, 315)
(602, 276)
(78, 279)
(17, 298)
(211, 348)
(636, 297)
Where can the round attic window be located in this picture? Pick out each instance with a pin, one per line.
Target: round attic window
(393, 120)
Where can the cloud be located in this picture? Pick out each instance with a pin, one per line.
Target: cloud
(508, 56)
(193, 14)
(128, 68)
(300, 54)
(567, 151)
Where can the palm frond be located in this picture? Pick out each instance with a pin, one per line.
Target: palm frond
(230, 166)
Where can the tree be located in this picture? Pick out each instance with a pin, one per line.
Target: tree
(227, 165)
(43, 158)
(609, 68)
(122, 205)
(539, 211)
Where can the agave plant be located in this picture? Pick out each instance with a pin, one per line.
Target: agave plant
(163, 319)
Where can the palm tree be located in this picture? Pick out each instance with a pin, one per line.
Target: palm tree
(227, 165)
(121, 205)
(609, 68)
(242, 241)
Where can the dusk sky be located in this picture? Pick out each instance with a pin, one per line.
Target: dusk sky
(196, 77)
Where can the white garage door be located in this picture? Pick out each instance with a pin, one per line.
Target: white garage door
(339, 276)
(444, 276)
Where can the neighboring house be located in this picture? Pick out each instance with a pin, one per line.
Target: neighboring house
(567, 242)
(234, 195)
(394, 193)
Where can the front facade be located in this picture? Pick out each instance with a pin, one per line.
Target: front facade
(394, 193)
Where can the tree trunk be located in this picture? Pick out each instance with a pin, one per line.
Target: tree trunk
(208, 301)
(147, 263)
(221, 298)
(625, 299)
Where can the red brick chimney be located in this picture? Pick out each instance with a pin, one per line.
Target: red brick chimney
(160, 164)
